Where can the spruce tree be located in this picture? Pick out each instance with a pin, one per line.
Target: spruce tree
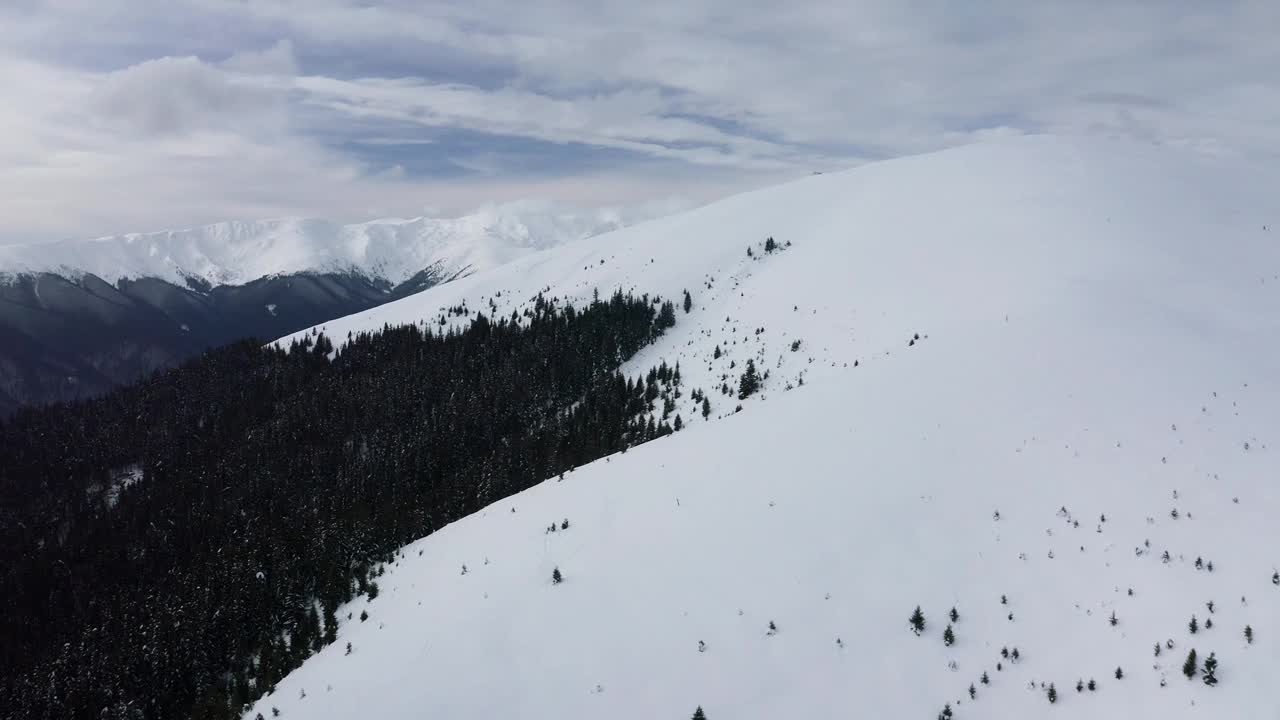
(1194, 625)
(917, 621)
(948, 637)
(688, 301)
(698, 714)
(973, 691)
(1248, 634)
(1119, 674)
(1080, 685)
(955, 616)
(984, 679)
(750, 381)
(1210, 669)
(556, 577)
(1092, 685)
(1052, 694)
(706, 408)
(1189, 667)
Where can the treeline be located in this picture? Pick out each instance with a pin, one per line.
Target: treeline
(173, 549)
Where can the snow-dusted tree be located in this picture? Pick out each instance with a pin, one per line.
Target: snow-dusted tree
(973, 691)
(1194, 625)
(1114, 620)
(984, 679)
(948, 637)
(556, 577)
(1248, 634)
(1080, 685)
(1189, 667)
(706, 408)
(1210, 670)
(1093, 685)
(955, 616)
(1208, 623)
(749, 383)
(917, 621)
(1052, 693)
(698, 714)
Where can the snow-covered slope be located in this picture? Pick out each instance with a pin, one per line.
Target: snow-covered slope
(1092, 386)
(234, 253)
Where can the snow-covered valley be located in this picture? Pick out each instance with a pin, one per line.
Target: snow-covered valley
(1006, 378)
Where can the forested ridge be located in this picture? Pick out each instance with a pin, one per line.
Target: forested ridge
(174, 548)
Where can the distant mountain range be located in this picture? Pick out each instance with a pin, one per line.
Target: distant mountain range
(80, 316)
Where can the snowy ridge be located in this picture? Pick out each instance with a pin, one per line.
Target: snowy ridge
(234, 253)
(1030, 369)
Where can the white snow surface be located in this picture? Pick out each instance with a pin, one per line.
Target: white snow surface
(1098, 337)
(238, 252)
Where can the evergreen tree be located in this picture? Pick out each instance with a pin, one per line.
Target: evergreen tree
(556, 577)
(1193, 626)
(698, 714)
(917, 621)
(955, 616)
(948, 637)
(1052, 694)
(973, 691)
(984, 679)
(770, 245)
(1248, 634)
(1080, 685)
(1092, 685)
(1210, 670)
(1189, 667)
(750, 381)
(688, 301)
(1119, 674)
(1114, 620)
(706, 408)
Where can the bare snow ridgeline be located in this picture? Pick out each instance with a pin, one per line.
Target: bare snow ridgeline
(1032, 380)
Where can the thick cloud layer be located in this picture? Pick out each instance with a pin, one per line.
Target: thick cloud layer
(133, 115)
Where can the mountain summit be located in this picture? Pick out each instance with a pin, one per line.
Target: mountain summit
(1030, 383)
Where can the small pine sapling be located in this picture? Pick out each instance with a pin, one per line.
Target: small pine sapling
(917, 621)
(698, 714)
(1248, 634)
(984, 679)
(955, 616)
(1093, 685)
(948, 637)
(1052, 694)
(1210, 676)
(1119, 674)
(556, 577)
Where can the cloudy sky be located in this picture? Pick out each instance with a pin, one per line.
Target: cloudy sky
(122, 115)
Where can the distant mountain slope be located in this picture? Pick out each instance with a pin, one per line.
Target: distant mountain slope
(1032, 380)
(235, 253)
(83, 316)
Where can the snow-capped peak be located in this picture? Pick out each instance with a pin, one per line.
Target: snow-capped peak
(394, 249)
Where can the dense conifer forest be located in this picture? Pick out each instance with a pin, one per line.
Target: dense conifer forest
(174, 548)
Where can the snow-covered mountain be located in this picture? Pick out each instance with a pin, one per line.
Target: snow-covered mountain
(238, 252)
(81, 316)
(1031, 380)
